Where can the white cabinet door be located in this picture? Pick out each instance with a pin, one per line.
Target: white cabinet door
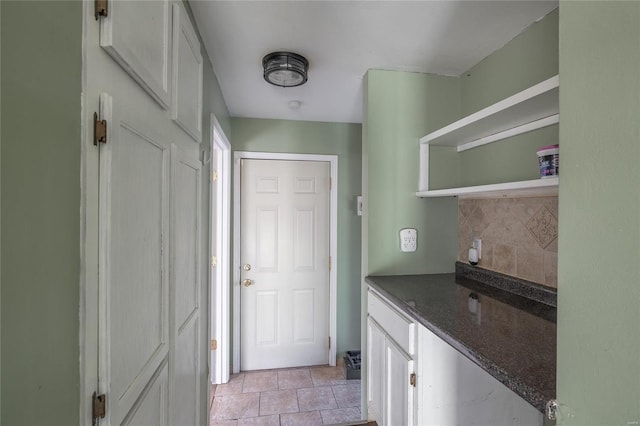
(375, 371)
(186, 105)
(137, 35)
(133, 281)
(390, 394)
(185, 288)
(455, 391)
(399, 393)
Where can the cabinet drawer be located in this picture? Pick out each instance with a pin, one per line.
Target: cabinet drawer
(396, 325)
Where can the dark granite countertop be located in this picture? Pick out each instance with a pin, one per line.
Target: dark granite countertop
(513, 337)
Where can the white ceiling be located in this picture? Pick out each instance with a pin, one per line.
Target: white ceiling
(342, 40)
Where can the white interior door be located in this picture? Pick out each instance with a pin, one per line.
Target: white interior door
(285, 258)
(220, 250)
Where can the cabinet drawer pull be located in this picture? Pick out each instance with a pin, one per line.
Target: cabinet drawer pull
(412, 379)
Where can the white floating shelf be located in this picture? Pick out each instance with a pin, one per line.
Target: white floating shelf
(531, 109)
(527, 188)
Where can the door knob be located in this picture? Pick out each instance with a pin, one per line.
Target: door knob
(246, 267)
(247, 282)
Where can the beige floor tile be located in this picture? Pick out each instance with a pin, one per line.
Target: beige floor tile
(262, 421)
(347, 395)
(276, 402)
(294, 378)
(318, 398)
(273, 397)
(223, 423)
(341, 415)
(327, 376)
(260, 381)
(212, 392)
(308, 418)
(229, 407)
(234, 386)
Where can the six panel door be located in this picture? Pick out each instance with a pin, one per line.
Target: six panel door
(285, 250)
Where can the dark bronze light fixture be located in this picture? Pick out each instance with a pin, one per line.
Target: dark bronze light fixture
(285, 69)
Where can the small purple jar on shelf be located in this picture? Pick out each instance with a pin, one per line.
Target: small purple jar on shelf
(549, 159)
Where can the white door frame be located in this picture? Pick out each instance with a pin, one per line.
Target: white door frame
(220, 212)
(333, 242)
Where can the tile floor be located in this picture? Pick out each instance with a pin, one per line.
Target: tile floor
(292, 396)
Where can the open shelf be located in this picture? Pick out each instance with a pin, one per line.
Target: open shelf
(528, 110)
(531, 109)
(527, 188)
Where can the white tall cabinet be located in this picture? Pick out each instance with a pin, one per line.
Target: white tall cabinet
(144, 303)
(391, 341)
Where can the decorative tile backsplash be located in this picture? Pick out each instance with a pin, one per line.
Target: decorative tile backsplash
(543, 226)
(519, 236)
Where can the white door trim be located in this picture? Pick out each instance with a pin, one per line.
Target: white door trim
(333, 242)
(221, 248)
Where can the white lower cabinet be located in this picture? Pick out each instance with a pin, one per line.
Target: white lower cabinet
(416, 378)
(455, 391)
(390, 391)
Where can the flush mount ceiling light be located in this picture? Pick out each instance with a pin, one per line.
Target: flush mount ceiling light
(285, 69)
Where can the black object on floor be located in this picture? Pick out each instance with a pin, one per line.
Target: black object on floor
(352, 365)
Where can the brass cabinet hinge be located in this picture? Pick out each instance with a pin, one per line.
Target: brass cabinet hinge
(329, 342)
(412, 379)
(214, 261)
(214, 176)
(101, 8)
(329, 262)
(99, 407)
(99, 130)
(214, 345)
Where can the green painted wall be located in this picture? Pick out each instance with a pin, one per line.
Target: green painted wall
(345, 141)
(598, 378)
(508, 160)
(0, 214)
(529, 58)
(40, 178)
(400, 108)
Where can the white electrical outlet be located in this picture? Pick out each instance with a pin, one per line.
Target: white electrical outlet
(408, 239)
